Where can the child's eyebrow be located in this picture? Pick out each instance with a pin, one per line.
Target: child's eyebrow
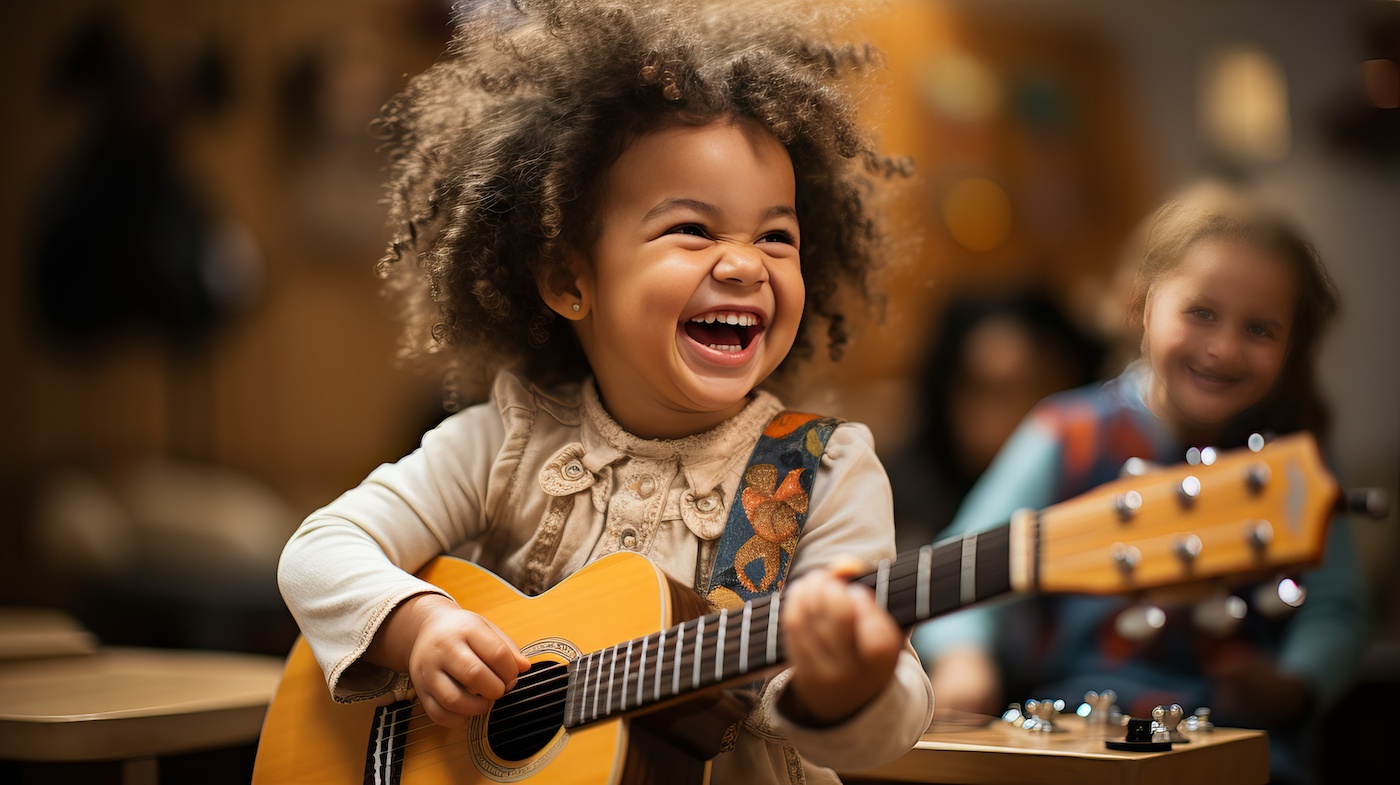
(711, 211)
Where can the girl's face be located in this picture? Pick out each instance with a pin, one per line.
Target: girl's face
(694, 290)
(1216, 331)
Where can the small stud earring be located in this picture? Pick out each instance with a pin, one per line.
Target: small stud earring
(576, 307)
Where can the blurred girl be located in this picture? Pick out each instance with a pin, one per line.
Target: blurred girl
(1231, 301)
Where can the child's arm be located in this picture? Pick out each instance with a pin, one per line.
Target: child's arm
(348, 567)
(457, 660)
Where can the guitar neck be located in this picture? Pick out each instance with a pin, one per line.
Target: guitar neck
(1236, 513)
(733, 646)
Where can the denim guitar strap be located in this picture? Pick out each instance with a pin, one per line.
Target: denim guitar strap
(769, 509)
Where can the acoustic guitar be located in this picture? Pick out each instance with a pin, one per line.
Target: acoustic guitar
(608, 681)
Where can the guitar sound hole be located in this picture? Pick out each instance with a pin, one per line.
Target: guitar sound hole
(522, 722)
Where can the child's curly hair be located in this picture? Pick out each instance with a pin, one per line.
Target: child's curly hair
(497, 153)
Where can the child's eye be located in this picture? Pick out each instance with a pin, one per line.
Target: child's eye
(1260, 331)
(691, 229)
(1202, 313)
(779, 236)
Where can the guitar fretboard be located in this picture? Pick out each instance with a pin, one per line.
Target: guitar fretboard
(744, 643)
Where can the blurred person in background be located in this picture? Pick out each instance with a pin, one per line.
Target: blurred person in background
(1232, 302)
(994, 356)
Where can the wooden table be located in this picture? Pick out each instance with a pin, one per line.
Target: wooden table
(130, 704)
(999, 752)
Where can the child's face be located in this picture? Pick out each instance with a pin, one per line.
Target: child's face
(694, 287)
(1216, 331)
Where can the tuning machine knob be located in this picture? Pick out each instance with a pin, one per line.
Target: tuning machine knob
(1165, 723)
(1370, 502)
(1140, 621)
(1219, 614)
(1040, 715)
(1099, 708)
(1279, 598)
(1199, 722)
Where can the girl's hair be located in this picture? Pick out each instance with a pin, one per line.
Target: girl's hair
(498, 154)
(1214, 211)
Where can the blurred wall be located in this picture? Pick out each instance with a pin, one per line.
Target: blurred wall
(256, 114)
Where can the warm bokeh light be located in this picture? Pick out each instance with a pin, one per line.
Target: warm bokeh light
(1244, 105)
(977, 213)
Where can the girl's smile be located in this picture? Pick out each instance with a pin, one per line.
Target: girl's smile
(693, 290)
(729, 333)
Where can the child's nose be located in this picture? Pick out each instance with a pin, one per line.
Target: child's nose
(740, 263)
(1225, 344)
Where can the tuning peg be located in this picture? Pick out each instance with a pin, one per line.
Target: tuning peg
(1014, 715)
(1201, 456)
(1280, 598)
(1140, 621)
(1136, 467)
(1371, 502)
(1219, 614)
(1200, 721)
(1040, 715)
(1258, 441)
(1098, 707)
(1165, 720)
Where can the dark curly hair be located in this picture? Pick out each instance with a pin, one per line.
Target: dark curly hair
(497, 153)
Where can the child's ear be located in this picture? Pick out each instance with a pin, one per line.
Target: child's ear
(566, 289)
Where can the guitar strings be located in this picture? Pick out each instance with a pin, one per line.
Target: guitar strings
(524, 711)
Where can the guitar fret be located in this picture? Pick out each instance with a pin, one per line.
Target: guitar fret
(719, 644)
(882, 585)
(614, 653)
(660, 666)
(676, 671)
(773, 628)
(967, 584)
(583, 687)
(626, 674)
(922, 590)
(598, 686)
(641, 669)
(744, 639)
(699, 640)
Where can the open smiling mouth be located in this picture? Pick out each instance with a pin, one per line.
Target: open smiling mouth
(731, 332)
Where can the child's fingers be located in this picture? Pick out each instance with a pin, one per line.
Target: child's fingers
(485, 662)
(848, 567)
(877, 636)
(447, 703)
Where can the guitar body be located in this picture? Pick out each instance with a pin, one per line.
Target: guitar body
(309, 738)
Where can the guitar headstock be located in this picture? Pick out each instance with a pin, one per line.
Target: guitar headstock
(1246, 512)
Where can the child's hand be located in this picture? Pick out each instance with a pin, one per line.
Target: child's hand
(457, 660)
(842, 647)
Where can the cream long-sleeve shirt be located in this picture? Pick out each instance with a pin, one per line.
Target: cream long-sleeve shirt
(534, 485)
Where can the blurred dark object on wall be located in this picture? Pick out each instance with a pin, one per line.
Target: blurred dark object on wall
(122, 238)
(1365, 123)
